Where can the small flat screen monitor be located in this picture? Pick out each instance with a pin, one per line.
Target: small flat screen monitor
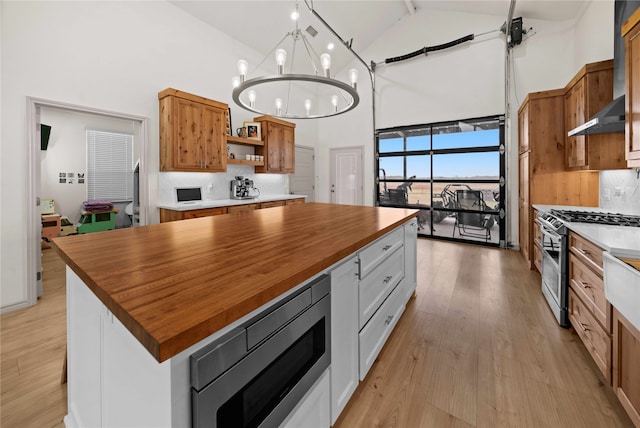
(188, 195)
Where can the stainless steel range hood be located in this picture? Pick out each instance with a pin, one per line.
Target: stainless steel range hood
(611, 118)
(608, 120)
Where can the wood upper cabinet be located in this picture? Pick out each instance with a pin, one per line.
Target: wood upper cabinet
(279, 145)
(586, 94)
(541, 147)
(192, 133)
(630, 31)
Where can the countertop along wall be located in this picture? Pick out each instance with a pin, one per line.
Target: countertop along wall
(112, 56)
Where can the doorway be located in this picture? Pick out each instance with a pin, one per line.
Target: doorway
(304, 180)
(35, 109)
(346, 175)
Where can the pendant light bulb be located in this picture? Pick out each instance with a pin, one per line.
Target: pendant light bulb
(281, 57)
(353, 77)
(243, 66)
(295, 15)
(278, 106)
(235, 81)
(325, 60)
(334, 102)
(252, 98)
(307, 106)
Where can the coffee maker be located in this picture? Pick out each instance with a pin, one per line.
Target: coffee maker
(241, 188)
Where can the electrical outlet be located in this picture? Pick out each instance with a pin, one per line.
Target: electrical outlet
(606, 194)
(618, 191)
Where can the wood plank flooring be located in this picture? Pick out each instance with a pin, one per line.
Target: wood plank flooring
(32, 346)
(476, 347)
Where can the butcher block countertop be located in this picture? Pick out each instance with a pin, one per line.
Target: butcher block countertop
(174, 284)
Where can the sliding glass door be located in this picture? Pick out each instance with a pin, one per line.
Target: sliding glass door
(452, 172)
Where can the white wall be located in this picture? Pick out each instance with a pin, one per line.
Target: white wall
(463, 82)
(113, 56)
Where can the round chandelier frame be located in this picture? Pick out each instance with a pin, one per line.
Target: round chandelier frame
(242, 87)
(247, 84)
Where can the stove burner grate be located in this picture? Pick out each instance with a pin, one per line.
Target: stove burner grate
(597, 218)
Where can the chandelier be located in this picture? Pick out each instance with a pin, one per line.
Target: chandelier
(290, 95)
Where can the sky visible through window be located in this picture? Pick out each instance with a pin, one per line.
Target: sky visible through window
(459, 165)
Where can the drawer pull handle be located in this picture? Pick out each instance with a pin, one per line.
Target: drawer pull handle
(386, 247)
(387, 279)
(584, 284)
(388, 320)
(585, 251)
(584, 327)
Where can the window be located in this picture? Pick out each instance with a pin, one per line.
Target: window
(109, 166)
(452, 172)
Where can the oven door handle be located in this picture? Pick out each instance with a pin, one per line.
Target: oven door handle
(549, 232)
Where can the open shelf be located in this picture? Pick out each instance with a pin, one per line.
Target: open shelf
(244, 141)
(244, 162)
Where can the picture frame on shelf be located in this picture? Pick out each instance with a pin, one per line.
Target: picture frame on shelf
(253, 130)
(229, 127)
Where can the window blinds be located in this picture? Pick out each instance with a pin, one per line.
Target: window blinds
(109, 166)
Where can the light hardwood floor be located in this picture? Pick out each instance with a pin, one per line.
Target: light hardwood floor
(32, 345)
(477, 346)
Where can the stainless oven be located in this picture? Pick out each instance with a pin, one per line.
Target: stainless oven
(554, 225)
(255, 375)
(555, 274)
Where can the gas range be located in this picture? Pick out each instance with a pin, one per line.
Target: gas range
(555, 219)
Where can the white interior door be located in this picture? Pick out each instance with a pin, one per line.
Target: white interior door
(346, 175)
(304, 180)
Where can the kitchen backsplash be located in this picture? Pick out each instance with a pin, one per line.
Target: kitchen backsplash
(216, 185)
(620, 191)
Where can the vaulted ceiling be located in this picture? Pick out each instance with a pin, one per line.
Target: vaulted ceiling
(261, 24)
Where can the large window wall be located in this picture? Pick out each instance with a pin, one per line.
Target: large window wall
(453, 172)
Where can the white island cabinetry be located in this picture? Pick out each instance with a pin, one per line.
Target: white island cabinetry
(115, 381)
(344, 334)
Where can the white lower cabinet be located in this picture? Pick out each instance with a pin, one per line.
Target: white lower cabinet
(410, 280)
(313, 411)
(375, 287)
(113, 381)
(374, 335)
(344, 334)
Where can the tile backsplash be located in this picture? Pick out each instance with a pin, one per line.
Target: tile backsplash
(620, 191)
(216, 185)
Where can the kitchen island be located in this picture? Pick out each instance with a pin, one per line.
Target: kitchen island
(140, 301)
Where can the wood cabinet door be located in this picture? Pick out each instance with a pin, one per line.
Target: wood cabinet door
(626, 370)
(188, 144)
(274, 143)
(524, 209)
(212, 132)
(575, 115)
(523, 129)
(288, 150)
(632, 100)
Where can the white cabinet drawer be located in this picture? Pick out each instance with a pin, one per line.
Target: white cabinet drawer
(377, 286)
(374, 335)
(376, 252)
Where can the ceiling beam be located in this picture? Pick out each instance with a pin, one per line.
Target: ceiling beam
(410, 6)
